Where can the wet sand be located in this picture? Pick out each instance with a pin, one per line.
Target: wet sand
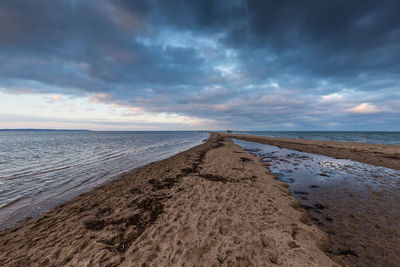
(356, 204)
(375, 154)
(213, 205)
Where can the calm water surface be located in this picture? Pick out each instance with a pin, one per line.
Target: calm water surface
(364, 137)
(40, 169)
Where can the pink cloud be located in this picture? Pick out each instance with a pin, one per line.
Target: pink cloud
(364, 108)
(115, 106)
(57, 98)
(222, 108)
(135, 109)
(100, 97)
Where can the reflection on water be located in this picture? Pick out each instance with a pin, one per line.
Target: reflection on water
(41, 169)
(355, 203)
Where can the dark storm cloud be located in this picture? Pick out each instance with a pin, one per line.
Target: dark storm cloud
(263, 63)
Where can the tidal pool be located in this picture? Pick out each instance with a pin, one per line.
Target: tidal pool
(356, 204)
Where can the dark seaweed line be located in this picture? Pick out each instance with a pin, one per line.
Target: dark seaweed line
(149, 208)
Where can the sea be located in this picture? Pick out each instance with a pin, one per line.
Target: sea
(41, 169)
(392, 138)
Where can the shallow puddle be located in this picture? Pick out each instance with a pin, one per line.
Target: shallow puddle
(357, 204)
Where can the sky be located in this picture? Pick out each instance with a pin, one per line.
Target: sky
(209, 65)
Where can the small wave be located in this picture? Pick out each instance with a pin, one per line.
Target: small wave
(36, 173)
(113, 157)
(100, 157)
(71, 189)
(11, 202)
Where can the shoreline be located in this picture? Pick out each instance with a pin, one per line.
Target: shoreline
(214, 204)
(375, 154)
(50, 183)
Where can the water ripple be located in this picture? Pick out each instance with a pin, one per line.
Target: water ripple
(38, 170)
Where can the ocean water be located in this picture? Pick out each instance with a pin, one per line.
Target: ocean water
(343, 136)
(40, 169)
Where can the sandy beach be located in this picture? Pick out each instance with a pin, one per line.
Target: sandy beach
(375, 154)
(213, 205)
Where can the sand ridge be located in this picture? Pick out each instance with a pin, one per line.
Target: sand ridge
(213, 205)
(375, 154)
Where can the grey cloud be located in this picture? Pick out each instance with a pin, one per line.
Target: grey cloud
(307, 48)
